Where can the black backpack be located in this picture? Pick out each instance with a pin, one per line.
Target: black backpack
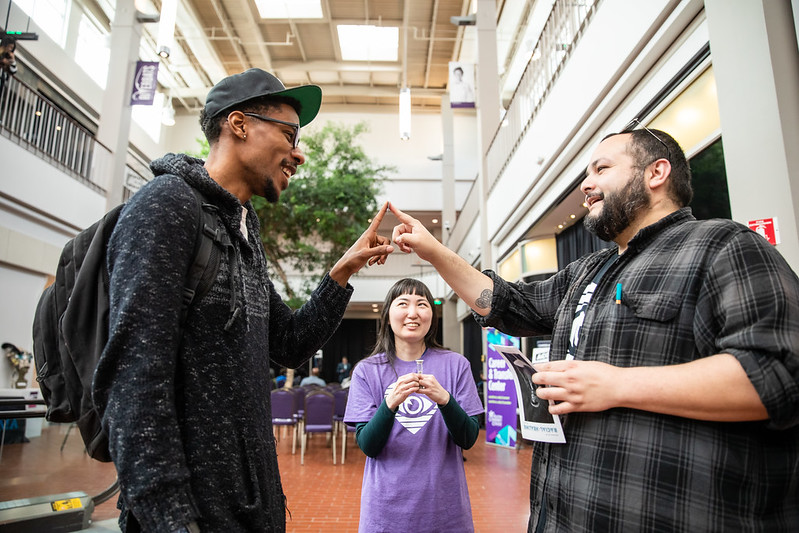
(70, 326)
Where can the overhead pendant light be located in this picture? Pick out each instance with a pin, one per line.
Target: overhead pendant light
(166, 27)
(405, 113)
(168, 112)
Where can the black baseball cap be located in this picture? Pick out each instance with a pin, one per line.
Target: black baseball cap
(254, 83)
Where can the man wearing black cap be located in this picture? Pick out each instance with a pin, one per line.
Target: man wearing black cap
(187, 405)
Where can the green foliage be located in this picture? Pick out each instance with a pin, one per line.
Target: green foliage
(204, 148)
(326, 207)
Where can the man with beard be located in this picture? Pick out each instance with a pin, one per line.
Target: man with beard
(674, 357)
(185, 401)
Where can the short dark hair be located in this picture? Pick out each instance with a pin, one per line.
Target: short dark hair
(645, 147)
(8, 39)
(385, 335)
(212, 126)
(456, 69)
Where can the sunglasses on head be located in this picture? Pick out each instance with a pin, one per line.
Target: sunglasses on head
(295, 138)
(635, 122)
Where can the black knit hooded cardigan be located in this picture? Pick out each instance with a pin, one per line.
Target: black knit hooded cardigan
(188, 411)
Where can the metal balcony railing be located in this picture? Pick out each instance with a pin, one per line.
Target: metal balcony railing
(38, 125)
(561, 33)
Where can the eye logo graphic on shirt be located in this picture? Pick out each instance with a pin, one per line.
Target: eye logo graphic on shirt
(415, 411)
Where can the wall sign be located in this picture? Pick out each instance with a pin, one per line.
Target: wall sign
(767, 227)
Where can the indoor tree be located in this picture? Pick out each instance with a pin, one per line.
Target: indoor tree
(327, 206)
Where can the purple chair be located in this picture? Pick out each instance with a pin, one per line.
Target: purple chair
(345, 429)
(340, 396)
(282, 401)
(319, 411)
(299, 406)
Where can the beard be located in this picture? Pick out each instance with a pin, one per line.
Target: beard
(619, 209)
(271, 194)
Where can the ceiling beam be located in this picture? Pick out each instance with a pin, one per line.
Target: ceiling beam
(196, 40)
(327, 90)
(430, 44)
(226, 27)
(335, 66)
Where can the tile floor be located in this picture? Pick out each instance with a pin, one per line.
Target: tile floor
(321, 497)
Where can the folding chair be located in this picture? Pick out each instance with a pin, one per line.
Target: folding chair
(319, 411)
(283, 414)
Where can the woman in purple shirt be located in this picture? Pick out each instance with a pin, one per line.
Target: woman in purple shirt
(413, 424)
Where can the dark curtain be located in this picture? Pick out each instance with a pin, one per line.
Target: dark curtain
(473, 345)
(575, 242)
(354, 339)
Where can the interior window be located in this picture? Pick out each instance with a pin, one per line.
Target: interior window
(709, 180)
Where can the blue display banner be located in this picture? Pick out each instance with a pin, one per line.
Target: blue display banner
(500, 393)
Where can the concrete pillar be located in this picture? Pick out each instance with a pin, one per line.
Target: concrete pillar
(453, 339)
(447, 170)
(756, 64)
(451, 328)
(114, 127)
(487, 102)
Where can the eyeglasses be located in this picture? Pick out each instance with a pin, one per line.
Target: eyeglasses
(631, 126)
(295, 138)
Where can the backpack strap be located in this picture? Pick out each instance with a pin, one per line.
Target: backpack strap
(210, 240)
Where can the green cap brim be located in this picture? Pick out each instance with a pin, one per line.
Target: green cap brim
(310, 99)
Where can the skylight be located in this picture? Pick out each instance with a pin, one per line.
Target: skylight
(368, 43)
(290, 9)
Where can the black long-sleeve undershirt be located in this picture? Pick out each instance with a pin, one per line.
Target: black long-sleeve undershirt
(373, 435)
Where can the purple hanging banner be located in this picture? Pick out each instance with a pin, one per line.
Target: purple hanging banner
(145, 82)
(500, 393)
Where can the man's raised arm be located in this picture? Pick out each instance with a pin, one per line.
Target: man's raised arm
(474, 287)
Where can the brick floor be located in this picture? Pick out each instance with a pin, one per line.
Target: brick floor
(326, 498)
(322, 497)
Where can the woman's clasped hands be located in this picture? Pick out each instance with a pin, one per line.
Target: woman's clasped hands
(407, 384)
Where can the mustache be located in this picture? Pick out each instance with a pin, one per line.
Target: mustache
(599, 195)
(290, 164)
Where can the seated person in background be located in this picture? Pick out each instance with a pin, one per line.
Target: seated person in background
(280, 379)
(413, 426)
(343, 369)
(313, 379)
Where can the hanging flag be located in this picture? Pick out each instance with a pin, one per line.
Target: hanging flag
(145, 82)
(461, 84)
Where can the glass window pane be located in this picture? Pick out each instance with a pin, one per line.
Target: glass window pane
(91, 51)
(368, 43)
(709, 180)
(49, 15)
(289, 9)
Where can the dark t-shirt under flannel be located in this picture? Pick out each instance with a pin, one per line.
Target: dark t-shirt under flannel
(691, 289)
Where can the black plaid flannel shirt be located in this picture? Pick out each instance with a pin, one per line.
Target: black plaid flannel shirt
(691, 289)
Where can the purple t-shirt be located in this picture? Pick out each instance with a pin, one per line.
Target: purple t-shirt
(417, 482)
